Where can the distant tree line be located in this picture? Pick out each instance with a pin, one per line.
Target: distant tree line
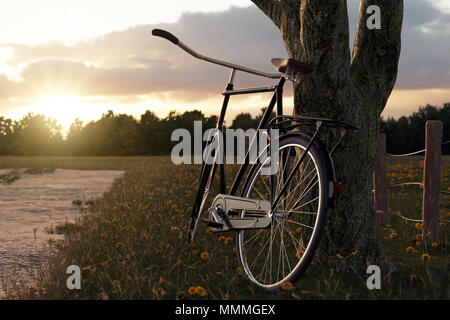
(122, 134)
(407, 134)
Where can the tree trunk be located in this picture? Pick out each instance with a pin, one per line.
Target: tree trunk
(353, 89)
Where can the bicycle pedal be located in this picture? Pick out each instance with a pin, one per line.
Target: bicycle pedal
(212, 224)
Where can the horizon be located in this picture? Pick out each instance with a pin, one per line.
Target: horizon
(82, 63)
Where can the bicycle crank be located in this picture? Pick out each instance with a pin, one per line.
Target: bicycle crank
(225, 214)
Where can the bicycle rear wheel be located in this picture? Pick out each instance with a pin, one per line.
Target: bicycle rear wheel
(282, 252)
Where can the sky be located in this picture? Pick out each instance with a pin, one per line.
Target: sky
(68, 59)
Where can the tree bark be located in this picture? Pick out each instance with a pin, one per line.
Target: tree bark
(353, 89)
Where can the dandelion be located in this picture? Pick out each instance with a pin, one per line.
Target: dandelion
(411, 250)
(434, 244)
(201, 291)
(299, 254)
(169, 202)
(239, 269)
(119, 244)
(418, 226)
(299, 229)
(116, 283)
(228, 240)
(393, 235)
(208, 231)
(103, 235)
(104, 264)
(413, 277)
(441, 224)
(194, 252)
(181, 294)
(221, 238)
(161, 291)
(425, 257)
(204, 255)
(287, 286)
(192, 291)
(418, 237)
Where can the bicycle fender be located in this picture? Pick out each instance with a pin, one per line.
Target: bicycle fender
(319, 145)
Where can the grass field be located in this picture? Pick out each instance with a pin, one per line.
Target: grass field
(131, 245)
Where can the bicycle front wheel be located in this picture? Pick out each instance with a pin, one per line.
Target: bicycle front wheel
(282, 252)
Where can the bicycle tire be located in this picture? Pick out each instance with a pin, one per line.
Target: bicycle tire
(302, 259)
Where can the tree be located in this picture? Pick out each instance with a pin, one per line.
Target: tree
(352, 88)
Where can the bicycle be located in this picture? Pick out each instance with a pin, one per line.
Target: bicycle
(279, 218)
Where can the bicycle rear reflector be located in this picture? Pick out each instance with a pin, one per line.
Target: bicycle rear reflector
(334, 189)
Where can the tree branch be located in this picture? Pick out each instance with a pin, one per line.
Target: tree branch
(376, 52)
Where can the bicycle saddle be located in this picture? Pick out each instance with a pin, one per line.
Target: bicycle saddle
(291, 67)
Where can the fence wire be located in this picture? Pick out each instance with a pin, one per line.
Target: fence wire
(397, 213)
(410, 154)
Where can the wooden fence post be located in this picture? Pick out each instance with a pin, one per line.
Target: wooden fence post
(380, 183)
(431, 180)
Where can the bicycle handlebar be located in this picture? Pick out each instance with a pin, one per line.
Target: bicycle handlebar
(166, 35)
(170, 37)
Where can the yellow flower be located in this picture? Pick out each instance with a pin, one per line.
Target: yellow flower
(103, 235)
(201, 291)
(418, 226)
(425, 257)
(169, 202)
(116, 283)
(194, 252)
(393, 235)
(239, 269)
(411, 250)
(104, 263)
(413, 277)
(161, 291)
(287, 286)
(208, 231)
(228, 240)
(119, 245)
(441, 224)
(192, 290)
(181, 294)
(299, 229)
(434, 244)
(299, 253)
(221, 238)
(418, 237)
(204, 255)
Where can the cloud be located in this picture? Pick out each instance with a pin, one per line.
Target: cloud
(132, 62)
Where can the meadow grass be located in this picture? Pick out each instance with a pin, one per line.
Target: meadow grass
(130, 245)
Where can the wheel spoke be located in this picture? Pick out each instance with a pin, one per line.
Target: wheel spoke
(276, 255)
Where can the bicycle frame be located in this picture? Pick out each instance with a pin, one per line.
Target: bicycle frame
(208, 170)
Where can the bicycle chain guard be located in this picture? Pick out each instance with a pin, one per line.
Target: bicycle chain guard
(225, 210)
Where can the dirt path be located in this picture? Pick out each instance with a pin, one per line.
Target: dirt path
(34, 202)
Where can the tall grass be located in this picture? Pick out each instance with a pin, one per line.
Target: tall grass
(130, 245)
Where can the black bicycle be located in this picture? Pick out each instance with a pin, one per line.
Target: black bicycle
(279, 217)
